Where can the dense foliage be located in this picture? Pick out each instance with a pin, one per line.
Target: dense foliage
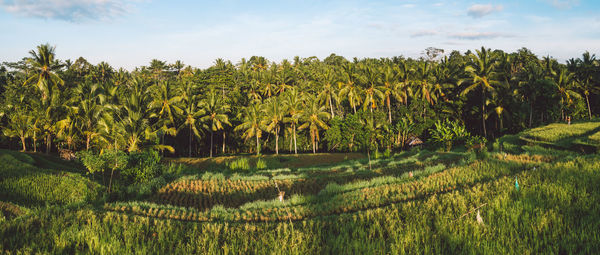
(306, 104)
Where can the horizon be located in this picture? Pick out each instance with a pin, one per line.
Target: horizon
(130, 34)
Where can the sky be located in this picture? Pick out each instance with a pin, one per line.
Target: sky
(130, 33)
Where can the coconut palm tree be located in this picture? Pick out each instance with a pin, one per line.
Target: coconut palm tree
(252, 124)
(88, 106)
(564, 82)
(273, 113)
(165, 102)
(313, 117)
(482, 75)
(45, 66)
(584, 69)
(328, 94)
(348, 87)
(293, 101)
(191, 112)
(371, 79)
(215, 115)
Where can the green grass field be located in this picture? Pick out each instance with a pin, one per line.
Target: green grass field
(413, 202)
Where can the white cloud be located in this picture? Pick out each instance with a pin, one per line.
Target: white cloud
(563, 4)
(422, 33)
(68, 10)
(477, 35)
(480, 10)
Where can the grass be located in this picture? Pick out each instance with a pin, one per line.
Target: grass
(22, 182)
(583, 136)
(416, 202)
(272, 161)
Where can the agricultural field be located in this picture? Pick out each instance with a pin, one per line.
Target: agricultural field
(577, 136)
(518, 198)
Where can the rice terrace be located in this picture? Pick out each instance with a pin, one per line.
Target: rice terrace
(391, 147)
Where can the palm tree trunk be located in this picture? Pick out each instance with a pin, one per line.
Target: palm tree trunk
(190, 143)
(354, 107)
(312, 138)
(483, 112)
(389, 105)
(211, 142)
(257, 145)
(110, 181)
(331, 107)
(23, 143)
(295, 145)
(588, 105)
(530, 113)
(87, 142)
(34, 141)
(277, 140)
(223, 141)
(48, 143)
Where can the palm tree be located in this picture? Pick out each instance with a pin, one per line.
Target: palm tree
(425, 87)
(481, 71)
(18, 125)
(215, 110)
(328, 94)
(349, 89)
(251, 124)
(564, 82)
(390, 88)
(45, 67)
(166, 101)
(87, 104)
(372, 80)
(584, 70)
(403, 88)
(267, 80)
(313, 118)
(293, 101)
(134, 117)
(273, 117)
(191, 112)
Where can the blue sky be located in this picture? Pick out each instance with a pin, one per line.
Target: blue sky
(130, 33)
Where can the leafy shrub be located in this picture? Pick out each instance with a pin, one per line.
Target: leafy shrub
(240, 164)
(448, 133)
(476, 143)
(376, 154)
(261, 164)
(387, 153)
(142, 167)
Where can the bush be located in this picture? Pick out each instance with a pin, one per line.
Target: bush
(387, 153)
(476, 143)
(142, 167)
(448, 133)
(240, 164)
(261, 164)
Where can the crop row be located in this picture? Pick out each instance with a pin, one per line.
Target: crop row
(372, 197)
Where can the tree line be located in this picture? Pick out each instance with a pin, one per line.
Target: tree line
(302, 105)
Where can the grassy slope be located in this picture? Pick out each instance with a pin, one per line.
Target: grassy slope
(22, 182)
(556, 210)
(583, 136)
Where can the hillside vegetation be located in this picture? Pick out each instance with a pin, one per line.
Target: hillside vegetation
(531, 194)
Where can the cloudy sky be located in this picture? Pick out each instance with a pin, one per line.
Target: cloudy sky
(130, 33)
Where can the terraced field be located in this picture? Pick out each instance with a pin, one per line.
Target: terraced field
(528, 198)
